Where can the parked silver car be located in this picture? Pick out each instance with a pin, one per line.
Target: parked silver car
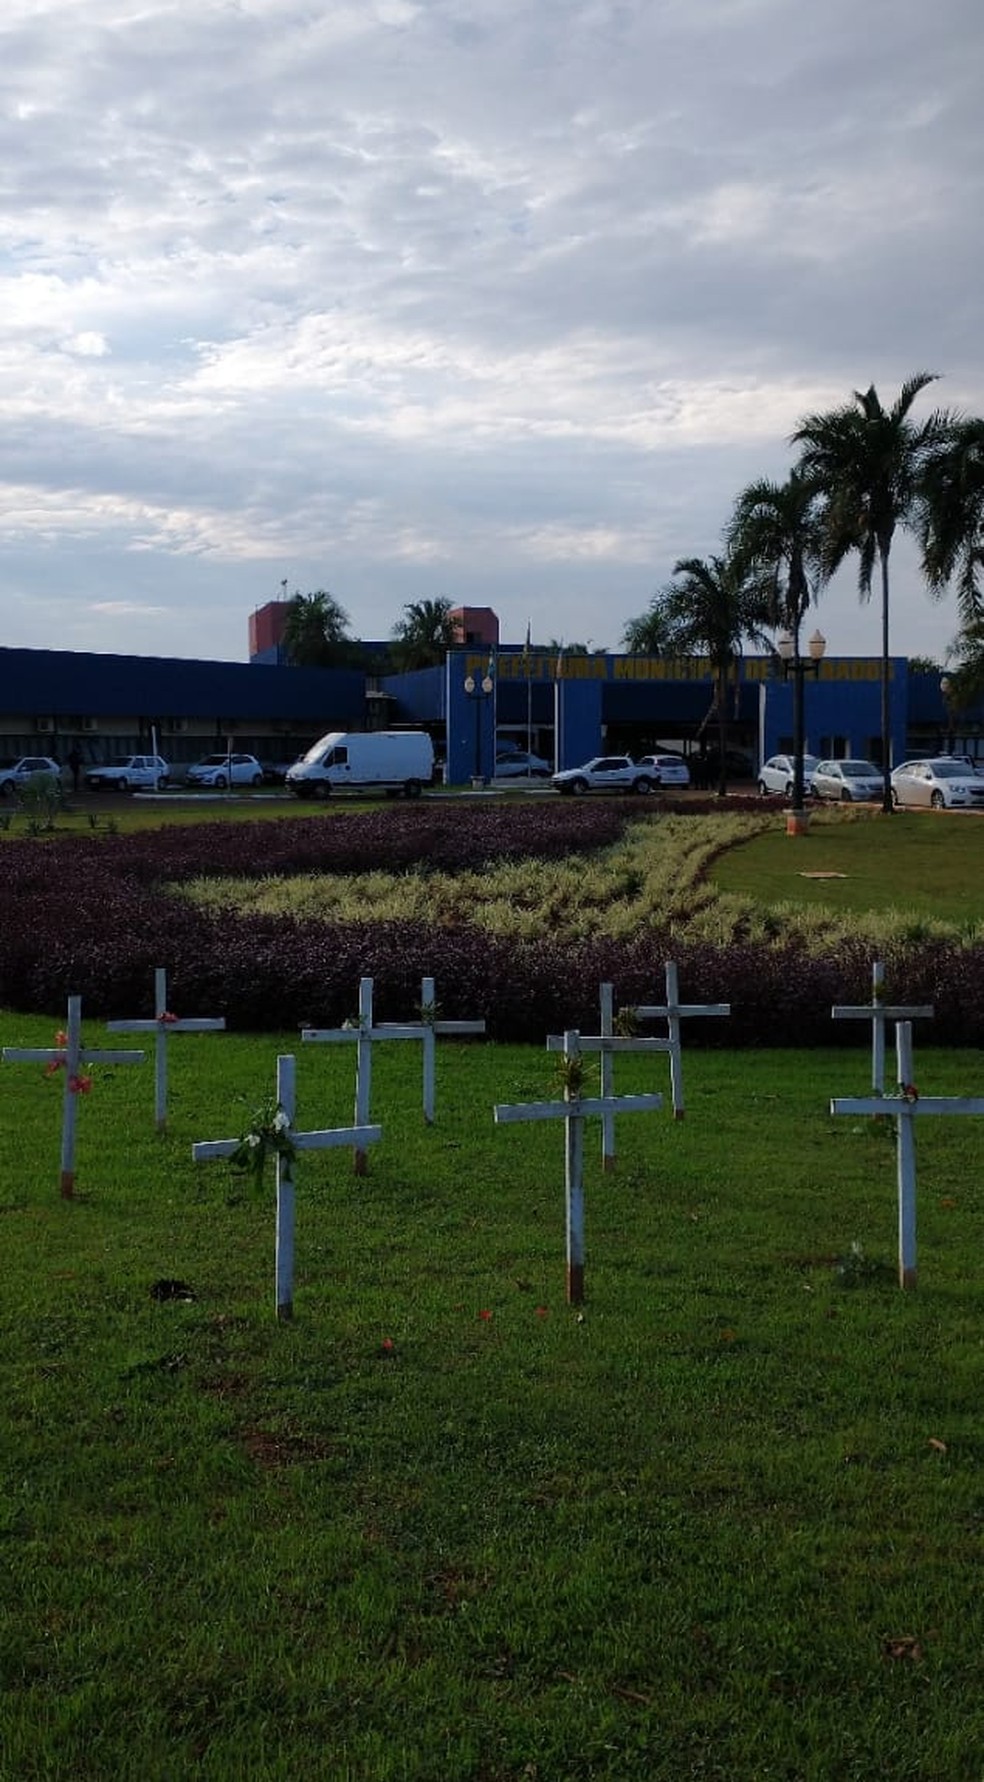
(146, 772)
(14, 775)
(668, 770)
(222, 770)
(852, 782)
(778, 773)
(606, 773)
(940, 783)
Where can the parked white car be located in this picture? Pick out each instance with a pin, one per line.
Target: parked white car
(940, 783)
(853, 782)
(667, 770)
(14, 775)
(224, 770)
(778, 773)
(606, 773)
(142, 772)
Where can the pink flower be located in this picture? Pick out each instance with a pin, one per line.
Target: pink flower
(79, 1085)
(52, 1069)
(486, 1317)
(388, 1345)
(541, 1311)
(61, 1037)
(165, 1017)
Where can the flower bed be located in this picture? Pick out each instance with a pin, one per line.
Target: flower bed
(93, 917)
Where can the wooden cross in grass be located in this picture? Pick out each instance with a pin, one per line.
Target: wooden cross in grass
(608, 1042)
(361, 1034)
(905, 1108)
(164, 1024)
(296, 1141)
(673, 1011)
(70, 1056)
(574, 1110)
(427, 1030)
(879, 1013)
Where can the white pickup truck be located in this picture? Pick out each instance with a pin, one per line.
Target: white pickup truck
(607, 773)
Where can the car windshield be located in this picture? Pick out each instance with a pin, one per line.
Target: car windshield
(859, 770)
(213, 760)
(948, 770)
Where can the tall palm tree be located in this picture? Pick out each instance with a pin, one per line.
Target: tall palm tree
(315, 631)
(868, 461)
(776, 533)
(951, 515)
(710, 608)
(648, 635)
(425, 633)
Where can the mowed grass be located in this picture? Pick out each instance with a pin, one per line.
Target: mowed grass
(724, 1523)
(928, 863)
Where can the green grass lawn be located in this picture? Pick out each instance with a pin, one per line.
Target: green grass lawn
(725, 1523)
(926, 862)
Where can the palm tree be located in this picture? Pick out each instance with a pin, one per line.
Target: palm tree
(315, 631)
(425, 633)
(951, 515)
(776, 533)
(868, 462)
(648, 634)
(710, 608)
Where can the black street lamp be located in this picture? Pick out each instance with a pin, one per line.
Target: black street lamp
(946, 688)
(787, 646)
(478, 692)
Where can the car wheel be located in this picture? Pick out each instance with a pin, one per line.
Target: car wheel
(123, 784)
(320, 789)
(845, 795)
(790, 788)
(579, 787)
(220, 781)
(412, 789)
(895, 798)
(937, 801)
(642, 786)
(257, 780)
(161, 782)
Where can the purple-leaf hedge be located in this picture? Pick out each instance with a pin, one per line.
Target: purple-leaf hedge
(93, 917)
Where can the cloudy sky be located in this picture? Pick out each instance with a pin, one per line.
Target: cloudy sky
(503, 300)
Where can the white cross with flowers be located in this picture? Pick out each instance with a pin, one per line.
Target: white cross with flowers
(70, 1056)
(673, 1011)
(574, 1110)
(905, 1108)
(162, 1026)
(608, 1042)
(281, 1136)
(879, 1013)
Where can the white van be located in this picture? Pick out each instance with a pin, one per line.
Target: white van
(363, 761)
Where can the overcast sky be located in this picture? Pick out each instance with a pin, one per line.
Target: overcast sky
(498, 300)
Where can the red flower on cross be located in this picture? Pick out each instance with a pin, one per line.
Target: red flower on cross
(79, 1085)
(165, 1017)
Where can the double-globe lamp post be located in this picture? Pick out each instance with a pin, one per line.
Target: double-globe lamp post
(787, 646)
(479, 691)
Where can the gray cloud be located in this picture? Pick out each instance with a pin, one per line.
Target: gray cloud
(497, 301)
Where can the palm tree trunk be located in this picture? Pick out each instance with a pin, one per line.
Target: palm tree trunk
(886, 721)
(722, 699)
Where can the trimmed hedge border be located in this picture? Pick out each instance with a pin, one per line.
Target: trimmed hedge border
(93, 917)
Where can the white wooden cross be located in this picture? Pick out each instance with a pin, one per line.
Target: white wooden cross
(673, 1011)
(574, 1110)
(301, 1141)
(608, 1042)
(427, 1031)
(163, 1024)
(69, 1055)
(362, 1034)
(879, 1013)
(908, 1106)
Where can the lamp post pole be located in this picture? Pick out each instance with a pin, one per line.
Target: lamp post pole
(787, 645)
(478, 692)
(946, 688)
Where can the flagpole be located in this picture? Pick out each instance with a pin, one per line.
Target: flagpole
(529, 700)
